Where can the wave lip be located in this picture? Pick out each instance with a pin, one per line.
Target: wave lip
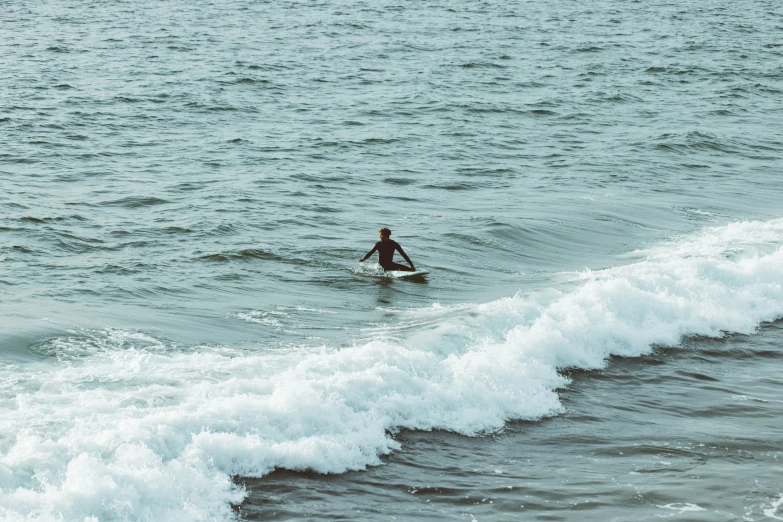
(130, 429)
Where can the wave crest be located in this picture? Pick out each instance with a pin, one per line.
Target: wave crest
(135, 431)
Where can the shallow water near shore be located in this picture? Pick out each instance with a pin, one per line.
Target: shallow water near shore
(596, 192)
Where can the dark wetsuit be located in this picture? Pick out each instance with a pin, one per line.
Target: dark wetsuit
(386, 253)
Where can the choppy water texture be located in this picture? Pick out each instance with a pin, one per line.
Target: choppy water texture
(595, 188)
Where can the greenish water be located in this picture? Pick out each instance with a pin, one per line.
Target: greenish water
(186, 187)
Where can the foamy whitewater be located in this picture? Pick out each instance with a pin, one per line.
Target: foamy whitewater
(594, 187)
(126, 427)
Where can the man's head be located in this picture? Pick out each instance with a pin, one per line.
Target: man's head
(384, 232)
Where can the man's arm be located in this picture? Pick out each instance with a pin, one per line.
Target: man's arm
(404, 255)
(371, 252)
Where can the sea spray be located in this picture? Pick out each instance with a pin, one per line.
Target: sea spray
(119, 426)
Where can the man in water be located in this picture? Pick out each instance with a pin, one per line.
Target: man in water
(386, 248)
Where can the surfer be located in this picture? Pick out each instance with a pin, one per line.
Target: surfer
(386, 248)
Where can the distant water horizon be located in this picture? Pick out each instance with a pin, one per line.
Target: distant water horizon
(185, 333)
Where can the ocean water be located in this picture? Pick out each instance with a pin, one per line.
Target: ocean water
(186, 334)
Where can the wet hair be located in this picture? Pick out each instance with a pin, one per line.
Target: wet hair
(385, 232)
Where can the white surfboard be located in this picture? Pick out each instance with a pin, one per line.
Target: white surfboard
(400, 274)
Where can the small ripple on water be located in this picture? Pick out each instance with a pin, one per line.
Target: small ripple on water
(136, 202)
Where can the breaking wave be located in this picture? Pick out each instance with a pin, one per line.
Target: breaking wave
(117, 425)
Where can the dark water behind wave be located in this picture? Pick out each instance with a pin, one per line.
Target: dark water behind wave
(663, 436)
(194, 182)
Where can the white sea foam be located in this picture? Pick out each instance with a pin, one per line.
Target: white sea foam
(283, 318)
(271, 318)
(775, 511)
(681, 508)
(127, 429)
